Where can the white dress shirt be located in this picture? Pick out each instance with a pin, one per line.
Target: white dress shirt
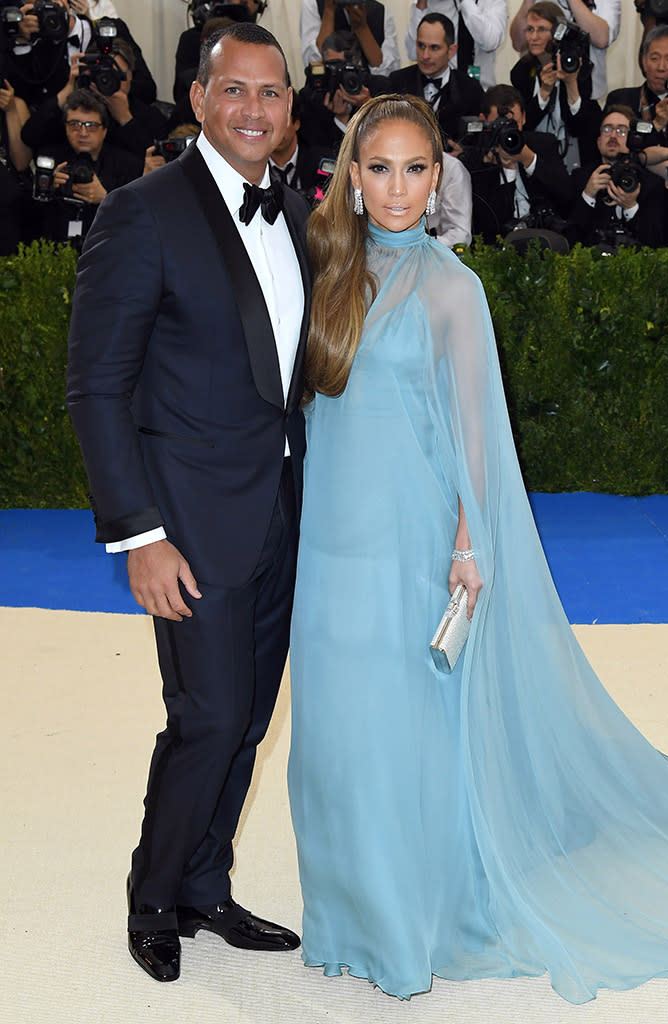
(272, 254)
(454, 205)
(309, 27)
(486, 20)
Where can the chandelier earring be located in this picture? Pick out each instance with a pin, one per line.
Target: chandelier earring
(430, 209)
(358, 202)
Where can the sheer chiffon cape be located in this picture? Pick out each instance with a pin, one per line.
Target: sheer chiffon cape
(506, 819)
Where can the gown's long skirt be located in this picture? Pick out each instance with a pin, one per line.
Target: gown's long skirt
(505, 819)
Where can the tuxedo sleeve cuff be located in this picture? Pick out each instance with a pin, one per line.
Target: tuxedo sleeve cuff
(147, 519)
(139, 541)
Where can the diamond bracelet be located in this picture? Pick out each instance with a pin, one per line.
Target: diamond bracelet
(463, 556)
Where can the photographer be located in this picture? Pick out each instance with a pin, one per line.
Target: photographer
(518, 178)
(554, 78)
(203, 12)
(368, 20)
(618, 202)
(649, 101)
(450, 93)
(600, 19)
(336, 86)
(14, 160)
(133, 124)
(50, 36)
(87, 168)
(480, 28)
(652, 12)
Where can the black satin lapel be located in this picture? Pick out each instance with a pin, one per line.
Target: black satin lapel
(295, 228)
(255, 319)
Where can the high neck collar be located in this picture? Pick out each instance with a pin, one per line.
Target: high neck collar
(398, 239)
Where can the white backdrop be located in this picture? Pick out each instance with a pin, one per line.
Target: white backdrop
(157, 24)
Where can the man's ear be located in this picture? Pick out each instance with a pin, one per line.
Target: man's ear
(197, 99)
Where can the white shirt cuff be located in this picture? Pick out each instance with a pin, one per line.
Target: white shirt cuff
(631, 212)
(589, 200)
(532, 166)
(140, 540)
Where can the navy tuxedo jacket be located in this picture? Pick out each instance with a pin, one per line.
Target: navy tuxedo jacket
(174, 385)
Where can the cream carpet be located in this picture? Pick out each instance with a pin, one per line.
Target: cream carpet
(83, 702)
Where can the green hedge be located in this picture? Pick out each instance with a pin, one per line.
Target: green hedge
(583, 341)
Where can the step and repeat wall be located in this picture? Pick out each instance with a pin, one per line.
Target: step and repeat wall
(157, 25)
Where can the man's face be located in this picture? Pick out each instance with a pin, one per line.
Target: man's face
(655, 65)
(85, 139)
(538, 33)
(613, 136)
(245, 107)
(433, 51)
(515, 112)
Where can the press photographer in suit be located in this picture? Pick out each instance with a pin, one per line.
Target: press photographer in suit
(185, 397)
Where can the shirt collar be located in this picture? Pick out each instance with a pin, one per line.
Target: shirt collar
(229, 181)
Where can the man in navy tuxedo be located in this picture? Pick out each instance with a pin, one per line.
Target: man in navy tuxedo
(185, 376)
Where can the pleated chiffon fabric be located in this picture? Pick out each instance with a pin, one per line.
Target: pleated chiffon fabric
(505, 819)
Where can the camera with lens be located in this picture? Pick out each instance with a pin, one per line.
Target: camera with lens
(657, 8)
(327, 76)
(641, 135)
(625, 172)
(52, 19)
(100, 69)
(43, 189)
(502, 131)
(170, 149)
(572, 45)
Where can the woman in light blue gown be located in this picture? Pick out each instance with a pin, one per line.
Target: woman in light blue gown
(505, 819)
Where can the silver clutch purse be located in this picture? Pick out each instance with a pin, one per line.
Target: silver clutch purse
(452, 632)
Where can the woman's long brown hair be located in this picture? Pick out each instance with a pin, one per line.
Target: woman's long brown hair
(337, 247)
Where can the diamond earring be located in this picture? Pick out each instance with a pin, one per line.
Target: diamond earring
(431, 204)
(358, 202)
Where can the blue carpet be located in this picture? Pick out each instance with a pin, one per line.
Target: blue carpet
(608, 556)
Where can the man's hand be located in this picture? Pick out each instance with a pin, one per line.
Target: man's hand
(90, 191)
(7, 96)
(356, 99)
(661, 114)
(72, 82)
(152, 160)
(338, 105)
(357, 16)
(118, 104)
(154, 572)
(29, 25)
(598, 181)
(624, 199)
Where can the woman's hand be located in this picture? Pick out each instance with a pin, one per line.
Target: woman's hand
(466, 573)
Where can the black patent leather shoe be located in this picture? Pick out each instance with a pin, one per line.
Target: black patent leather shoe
(153, 939)
(237, 926)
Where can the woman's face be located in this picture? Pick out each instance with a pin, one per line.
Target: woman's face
(539, 33)
(396, 172)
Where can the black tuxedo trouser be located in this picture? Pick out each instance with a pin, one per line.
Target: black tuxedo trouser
(221, 671)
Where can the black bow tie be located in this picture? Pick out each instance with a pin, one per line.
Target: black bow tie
(74, 41)
(430, 81)
(270, 199)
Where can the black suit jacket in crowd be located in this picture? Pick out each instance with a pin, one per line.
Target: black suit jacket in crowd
(459, 97)
(589, 225)
(494, 203)
(174, 384)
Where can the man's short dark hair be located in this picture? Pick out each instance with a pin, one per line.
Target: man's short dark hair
(616, 108)
(440, 19)
(501, 96)
(243, 32)
(84, 99)
(344, 42)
